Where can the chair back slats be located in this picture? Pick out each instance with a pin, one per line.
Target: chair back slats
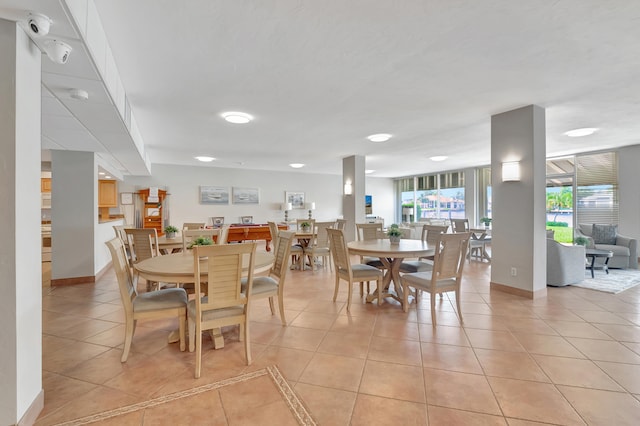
(143, 243)
(321, 237)
(431, 233)
(224, 272)
(123, 273)
(273, 230)
(282, 250)
(460, 225)
(189, 235)
(193, 225)
(340, 224)
(339, 249)
(368, 231)
(223, 236)
(450, 254)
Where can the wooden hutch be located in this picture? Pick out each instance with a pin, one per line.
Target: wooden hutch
(152, 212)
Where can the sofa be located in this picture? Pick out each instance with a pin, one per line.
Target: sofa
(606, 237)
(565, 264)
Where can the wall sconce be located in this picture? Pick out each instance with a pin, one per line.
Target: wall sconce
(511, 171)
(348, 188)
(311, 206)
(286, 207)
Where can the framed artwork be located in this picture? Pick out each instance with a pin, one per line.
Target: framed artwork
(246, 195)
(214, 195)
(295, 198)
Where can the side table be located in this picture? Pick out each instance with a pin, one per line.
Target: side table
(595, 253)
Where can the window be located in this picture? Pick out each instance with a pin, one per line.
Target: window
(597, 188)
(435, 196)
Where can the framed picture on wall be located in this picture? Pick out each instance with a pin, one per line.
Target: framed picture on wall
(246, 195)
(295, 198)
(214, 195)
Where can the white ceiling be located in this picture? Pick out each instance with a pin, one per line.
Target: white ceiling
(319, 76)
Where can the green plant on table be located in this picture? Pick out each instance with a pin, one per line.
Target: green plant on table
(582, 241)
(485, 220)
(170, 229)
(394, 231)
(305, 225)
(201, 241)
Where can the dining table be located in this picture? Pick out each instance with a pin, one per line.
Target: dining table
(178, 268)
(478, 244)
(391, 255)
(170, 245)
(304, 240)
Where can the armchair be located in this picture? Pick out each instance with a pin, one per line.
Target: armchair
(606, 237)
(565, 264)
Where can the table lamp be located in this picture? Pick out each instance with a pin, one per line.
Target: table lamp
(286, 207)
(311, 206)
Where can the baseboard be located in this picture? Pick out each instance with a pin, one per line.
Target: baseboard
(518, 291)
(73, 281)
(104, 270)
(34, 410)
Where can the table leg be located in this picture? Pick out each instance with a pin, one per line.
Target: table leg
(606, 265)
(216, 336)
(593, 261)
(392, 274)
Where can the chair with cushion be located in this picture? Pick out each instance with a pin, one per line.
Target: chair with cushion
(223, 235)
(448, 264)
(369, 231)
(340, 224)
(565, 264)
(143, 244)
(193, 225)
(351, 273)
(166, 303)
(606, 237)
(460, 225)
(319, 245)
(430, 234)
(296, 251)
(272, 285)
(225, 303)
(188, 235)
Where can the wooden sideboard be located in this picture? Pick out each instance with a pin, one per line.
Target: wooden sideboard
(240, 232)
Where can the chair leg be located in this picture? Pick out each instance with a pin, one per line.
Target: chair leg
(198, 350)
(192, 334)
(128, 337)
(379, 291)
(273, 312)
(433, 309)
(335, 291)
(247, 342)
(281, 308)
(457, 294)
(361, 288)
(182, 320)
(405, 297)
(350, 287)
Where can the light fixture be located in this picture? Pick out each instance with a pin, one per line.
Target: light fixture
(438, 158)
(511, 171)
(586, 131)
(379, 137)
(296, 165)
(58, 51)
(348, 188)
(39, 24)
(237, 117)
(101, 173)
(286, 207)
(79, 94)
(368, 172)
(311, 206)
(204, 159)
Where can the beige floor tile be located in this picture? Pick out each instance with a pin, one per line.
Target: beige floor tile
(463, 391)
(602, 407)
(449, 357)
(347, 344)
(314, 320)
(70, 356)
(577, 329)
(547, 345)
(601, 317)
(621, 333)
(489, 339)
(576, 372)
(485, 322)
(290, 362)
(300, 338)
(329, 406)
(333, 371)
(539, 402)
(396, 351)
(627, 375)
(251, 393)
(605, 350)
(393, 381)
(201, 409)
(363, 324)
(451, 417)
(273, 414)
(444, 335)
(396, 329)
(372, 410)
(513, 365)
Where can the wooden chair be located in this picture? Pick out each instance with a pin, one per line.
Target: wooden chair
(224, 304)
(369, 231)
(189, 235)
(448, 264)
(319, 245)
(193, 225)
(340, 224)
(272, 285)
(350, 273)
(296, 251)
(223, 236)
(166, 303)
(459, 225)
(311, 222)
(143, 244)
(119, 230)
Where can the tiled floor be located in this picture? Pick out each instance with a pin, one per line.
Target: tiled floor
(570, 358)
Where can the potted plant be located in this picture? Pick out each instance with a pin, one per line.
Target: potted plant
(581, 241)
(305, 227)
(486, 221)
(394, 233)
(171, 231)
(200, 241)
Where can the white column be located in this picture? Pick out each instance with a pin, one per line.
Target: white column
(21, 395)
(74, 216)
(518, 240)
(353, 205)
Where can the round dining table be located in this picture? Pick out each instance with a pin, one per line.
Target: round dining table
(178, 268)
(391, 255)
(170, 245)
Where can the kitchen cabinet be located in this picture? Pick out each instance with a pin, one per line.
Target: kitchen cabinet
(45, 184)
(107, 193)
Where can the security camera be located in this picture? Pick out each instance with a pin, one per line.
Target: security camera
(57, 51)
(39, 24)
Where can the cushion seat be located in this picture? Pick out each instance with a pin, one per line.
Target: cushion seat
(168, 298)
(412, 266)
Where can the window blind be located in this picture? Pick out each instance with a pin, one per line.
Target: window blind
(597, 188)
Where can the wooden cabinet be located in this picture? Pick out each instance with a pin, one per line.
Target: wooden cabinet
(152, 213)
(45, 184)
(107, 193)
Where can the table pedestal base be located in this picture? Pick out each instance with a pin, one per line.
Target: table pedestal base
(392, 273)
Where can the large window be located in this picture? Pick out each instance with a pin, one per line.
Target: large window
(435, 196)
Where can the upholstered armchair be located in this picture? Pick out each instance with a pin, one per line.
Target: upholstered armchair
(565, 264)
(606, 237)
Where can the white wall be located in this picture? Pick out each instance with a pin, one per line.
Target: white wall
(103, 233)
(628, 176)
(183, 184)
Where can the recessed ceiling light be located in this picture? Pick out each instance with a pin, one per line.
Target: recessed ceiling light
(236, 117)
(296, 165)
(79, 94)
(369, 171)
(586, 131)
(101, 173)
(438, 158)
(107, 177)
(204, 159)
(380, 137)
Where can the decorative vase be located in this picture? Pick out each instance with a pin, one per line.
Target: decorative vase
(306, 229)
(171, 234)
(394, 239)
